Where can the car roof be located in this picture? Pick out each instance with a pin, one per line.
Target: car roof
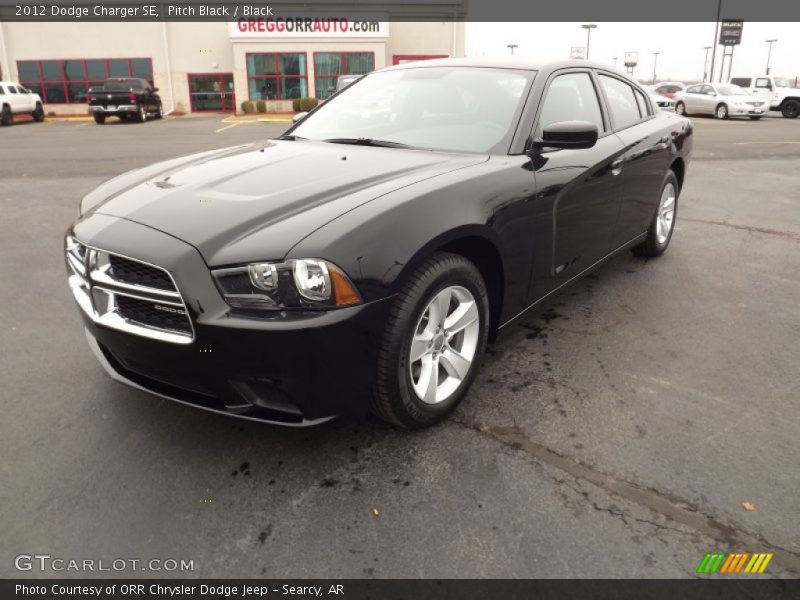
(524, 64)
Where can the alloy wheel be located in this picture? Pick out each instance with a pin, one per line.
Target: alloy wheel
(722, 111)
(444, 344)
(666, 213)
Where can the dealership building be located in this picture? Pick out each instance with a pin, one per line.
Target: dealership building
(215, 66)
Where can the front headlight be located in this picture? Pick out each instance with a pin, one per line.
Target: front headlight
(297, 283)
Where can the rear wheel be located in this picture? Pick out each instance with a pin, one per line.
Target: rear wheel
(38, 113)
(790, 109)
(432, 344)
(660, 232)
(6, 118)
(141, 115)
(680, 108)
(99, 118)
(160, 111)
(721, 111)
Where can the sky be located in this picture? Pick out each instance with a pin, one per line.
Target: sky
(680, 46)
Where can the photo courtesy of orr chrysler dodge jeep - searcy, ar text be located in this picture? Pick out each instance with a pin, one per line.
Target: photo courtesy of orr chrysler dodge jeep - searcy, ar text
(363, 259)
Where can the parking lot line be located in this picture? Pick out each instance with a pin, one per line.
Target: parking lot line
(221, 129)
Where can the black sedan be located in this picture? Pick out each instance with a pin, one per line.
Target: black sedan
(364, 258)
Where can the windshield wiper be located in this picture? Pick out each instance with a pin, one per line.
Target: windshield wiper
(368, 142)
(290, 137)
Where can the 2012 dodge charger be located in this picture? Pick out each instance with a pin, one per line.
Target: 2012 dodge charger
(362, 259)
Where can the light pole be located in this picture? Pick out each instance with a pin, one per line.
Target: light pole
(588, 29)
(769, 53)
(655, 63)
(705, 63)
(511, 47)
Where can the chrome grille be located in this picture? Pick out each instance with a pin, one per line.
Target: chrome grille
(127, 294)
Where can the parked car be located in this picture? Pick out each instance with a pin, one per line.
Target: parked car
(17, 100)
(723, 100)
(126, 98)
(668, 88)
(777, 91)
(344, 80)
(662, 102)
(359, 262)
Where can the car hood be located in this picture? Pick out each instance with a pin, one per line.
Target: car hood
(256, 202)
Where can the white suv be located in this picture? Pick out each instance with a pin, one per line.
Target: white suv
(778, 91)
(15, 100)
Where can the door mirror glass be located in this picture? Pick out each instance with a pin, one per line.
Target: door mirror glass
(568, 134)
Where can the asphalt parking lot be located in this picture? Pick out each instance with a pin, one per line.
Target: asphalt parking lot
(617, 432)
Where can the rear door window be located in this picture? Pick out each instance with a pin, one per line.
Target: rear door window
(621, 102)
(762, 83)
(644, 105)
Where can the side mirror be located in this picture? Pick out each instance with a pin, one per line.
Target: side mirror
(568, 134)
(299, 117)
(154, 90)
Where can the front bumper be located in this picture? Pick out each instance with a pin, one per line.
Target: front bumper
(299, 369)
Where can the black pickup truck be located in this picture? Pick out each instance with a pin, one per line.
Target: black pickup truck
(126, 98)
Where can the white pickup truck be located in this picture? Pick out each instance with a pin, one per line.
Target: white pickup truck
(778, 91)
(16, 100)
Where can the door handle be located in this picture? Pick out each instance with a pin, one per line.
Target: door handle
(616, 166)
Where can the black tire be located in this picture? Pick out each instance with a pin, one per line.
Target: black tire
(160, 111)
(680, 108)
(755, 118)
(141, 115)
(790, 109)
(6, 118)
(721, 111)
(38, 113)
(394, 399)
(99, 118)
(651, 247)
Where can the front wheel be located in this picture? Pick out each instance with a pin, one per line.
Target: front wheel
(790, 109)
(160, 111)
(38, 113)
(680, 108)
(721, 112)
(6, 118)
(434, 338)
(660, 231)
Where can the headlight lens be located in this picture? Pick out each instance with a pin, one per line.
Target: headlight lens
(297, 283)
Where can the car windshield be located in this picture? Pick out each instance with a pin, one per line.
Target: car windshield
(122, 85)
(459, 109)
(731, 90)
(782, 82)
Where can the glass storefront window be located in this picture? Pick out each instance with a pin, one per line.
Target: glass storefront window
(277, 76)
(62, 81)
(329, 65)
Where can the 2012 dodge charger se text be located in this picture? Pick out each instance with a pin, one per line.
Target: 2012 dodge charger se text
(362, 259)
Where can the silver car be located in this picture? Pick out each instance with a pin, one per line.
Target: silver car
(722, 100)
